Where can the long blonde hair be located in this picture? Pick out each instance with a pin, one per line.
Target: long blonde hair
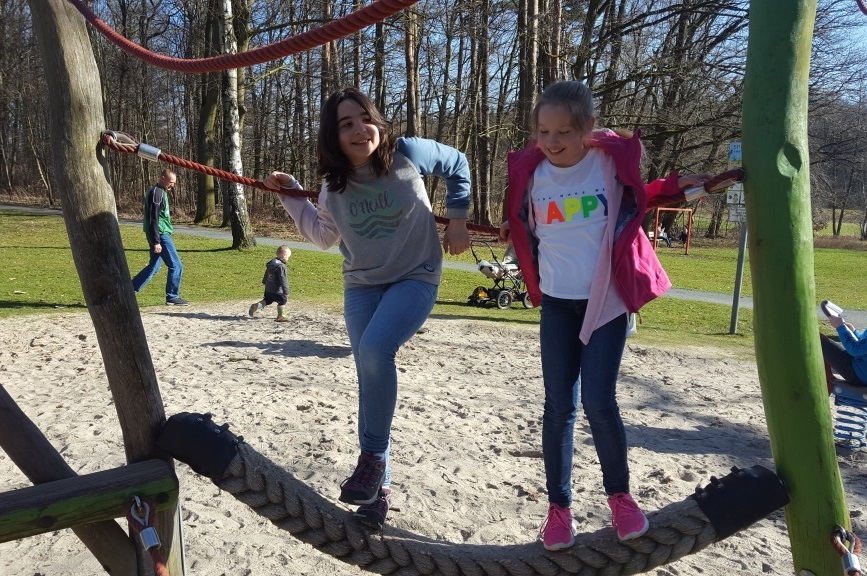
(573, 96)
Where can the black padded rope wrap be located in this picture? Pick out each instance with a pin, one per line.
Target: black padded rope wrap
(741, 498)
(678, 529)
(197, 441)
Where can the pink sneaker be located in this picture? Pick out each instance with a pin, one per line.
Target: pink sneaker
(626, 517)
(558, 530)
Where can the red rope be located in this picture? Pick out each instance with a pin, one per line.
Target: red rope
(109, 138)
(376, 12)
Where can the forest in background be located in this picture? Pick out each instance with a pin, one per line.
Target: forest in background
(464, 72)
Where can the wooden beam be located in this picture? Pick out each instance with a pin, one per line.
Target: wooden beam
(34, 455)
(85, 499)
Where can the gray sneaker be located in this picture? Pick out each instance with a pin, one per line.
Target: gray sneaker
(176, 301)
(364, 484)
(374, 514)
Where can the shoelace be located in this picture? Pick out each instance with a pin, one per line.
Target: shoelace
(622, 504)
(560, 517)
(365, 474)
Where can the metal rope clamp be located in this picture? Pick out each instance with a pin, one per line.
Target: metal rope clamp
(148, 534)
(148, 152)
(846, 541)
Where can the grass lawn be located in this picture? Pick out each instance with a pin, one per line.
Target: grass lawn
(39, 276)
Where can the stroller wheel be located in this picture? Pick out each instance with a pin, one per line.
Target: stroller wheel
(525, 299)
(504, 300)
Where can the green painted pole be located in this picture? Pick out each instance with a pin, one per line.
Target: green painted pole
(776, 160)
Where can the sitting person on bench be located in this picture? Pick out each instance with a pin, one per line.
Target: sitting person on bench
(847, 357)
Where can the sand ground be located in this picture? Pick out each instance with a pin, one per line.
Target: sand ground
(466, 439)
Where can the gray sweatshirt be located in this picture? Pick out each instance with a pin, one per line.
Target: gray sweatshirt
(276, 279)
(385, 225)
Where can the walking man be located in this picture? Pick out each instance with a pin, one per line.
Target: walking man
(158, 229)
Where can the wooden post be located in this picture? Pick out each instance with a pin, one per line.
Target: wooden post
(75, 124)
(776, 158)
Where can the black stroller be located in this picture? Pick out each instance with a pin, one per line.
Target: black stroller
(508, 279)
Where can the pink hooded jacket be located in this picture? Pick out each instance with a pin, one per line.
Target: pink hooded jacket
(626, 256)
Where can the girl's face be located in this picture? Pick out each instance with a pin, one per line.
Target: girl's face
(558, 138)
(359, 139)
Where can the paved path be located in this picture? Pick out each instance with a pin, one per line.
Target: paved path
(856, 317)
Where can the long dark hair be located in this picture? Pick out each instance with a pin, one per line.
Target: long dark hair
(334, 166)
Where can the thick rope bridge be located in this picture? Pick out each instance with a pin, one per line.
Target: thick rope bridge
(724, 507)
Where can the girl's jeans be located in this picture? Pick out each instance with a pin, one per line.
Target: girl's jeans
(379, 320)
(567, 364)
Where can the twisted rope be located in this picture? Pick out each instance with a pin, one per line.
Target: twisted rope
(675, 531)
(129, 145)
(349, 24)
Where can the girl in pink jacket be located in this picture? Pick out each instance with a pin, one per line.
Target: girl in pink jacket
(576, 201)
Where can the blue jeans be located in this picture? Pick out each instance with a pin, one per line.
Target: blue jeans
(380, 319)
(567, 365)
(169, 255)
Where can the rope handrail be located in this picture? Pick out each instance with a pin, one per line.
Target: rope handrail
(378, 11)
(122, 142)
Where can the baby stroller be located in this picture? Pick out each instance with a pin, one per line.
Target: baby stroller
(508, 280)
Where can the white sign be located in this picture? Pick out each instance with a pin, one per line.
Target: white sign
(735, 152)
(734, 196)
(737, 213)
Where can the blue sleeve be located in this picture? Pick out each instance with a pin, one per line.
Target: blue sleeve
(854, 345)
(431, 157)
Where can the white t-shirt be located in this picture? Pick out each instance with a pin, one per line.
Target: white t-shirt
(570, 208)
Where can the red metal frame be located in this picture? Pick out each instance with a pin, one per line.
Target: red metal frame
(688, 225)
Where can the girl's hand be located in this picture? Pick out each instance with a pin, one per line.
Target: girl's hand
(835, 321)
(278, 180)
(692, 180)
(504, 233)
(456, 238)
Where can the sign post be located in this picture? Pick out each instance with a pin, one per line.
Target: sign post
(737, 213)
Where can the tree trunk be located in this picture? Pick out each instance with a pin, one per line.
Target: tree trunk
(379, 37)
(483, 139)
(207, 186)
(413, 114)
(75, 123)
(357, 42)
(242, 230)
(241, 25)
(528, 38)
(328, 70)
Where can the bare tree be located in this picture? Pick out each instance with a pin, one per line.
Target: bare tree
(235, 203)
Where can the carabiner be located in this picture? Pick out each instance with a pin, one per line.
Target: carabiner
(134, 511)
